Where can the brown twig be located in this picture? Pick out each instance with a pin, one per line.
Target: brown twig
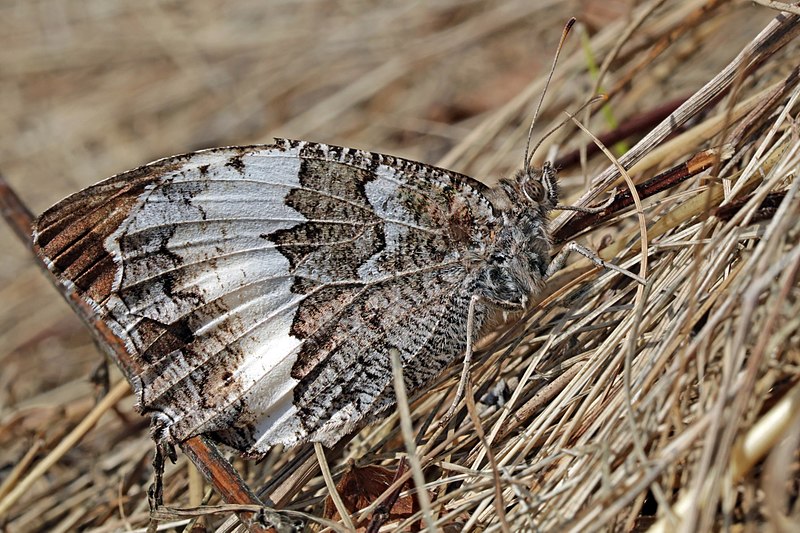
(666, 180)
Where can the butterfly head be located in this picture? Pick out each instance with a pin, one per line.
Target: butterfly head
(537, 187)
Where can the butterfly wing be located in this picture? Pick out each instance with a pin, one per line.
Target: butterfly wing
(259, 289)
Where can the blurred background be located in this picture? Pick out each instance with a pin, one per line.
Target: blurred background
(95, 87)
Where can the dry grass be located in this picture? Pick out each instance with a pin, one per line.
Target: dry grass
(626, 404)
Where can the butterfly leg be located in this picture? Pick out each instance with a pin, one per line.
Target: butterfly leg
(462, 382)
(561, 258)
(164, 450)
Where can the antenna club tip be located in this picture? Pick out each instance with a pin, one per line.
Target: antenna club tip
(567, 27)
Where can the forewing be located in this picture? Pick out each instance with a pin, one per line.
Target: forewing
(259, 289)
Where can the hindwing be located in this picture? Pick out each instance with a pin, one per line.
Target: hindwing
(259, 289)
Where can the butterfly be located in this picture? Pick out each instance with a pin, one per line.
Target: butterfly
(260, 289)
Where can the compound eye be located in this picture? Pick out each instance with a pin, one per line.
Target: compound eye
(534, 190)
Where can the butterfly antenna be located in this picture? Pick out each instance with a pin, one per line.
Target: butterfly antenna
(528, 153)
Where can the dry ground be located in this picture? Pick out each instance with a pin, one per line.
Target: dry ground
(624, 403)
